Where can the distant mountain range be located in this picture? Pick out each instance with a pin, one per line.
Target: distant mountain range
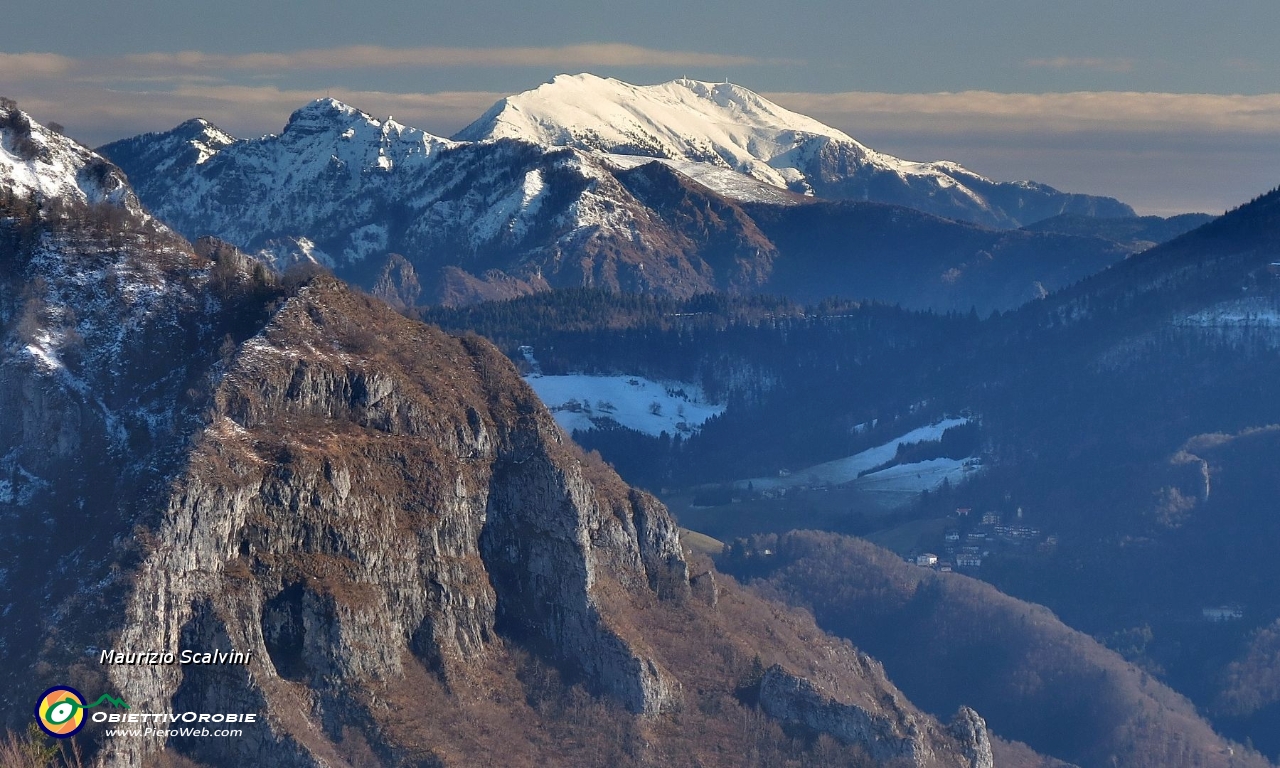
(1136, 232)
(677, 189)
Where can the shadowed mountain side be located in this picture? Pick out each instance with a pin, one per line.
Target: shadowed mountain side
(899, 255)
(1223, 259)
(1137, 232)
(948, 639)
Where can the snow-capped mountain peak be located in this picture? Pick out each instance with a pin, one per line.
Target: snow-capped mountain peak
(716, 123)
(40, 164)
(726, 126)
(364, 142)
(203, 137)
(560, 187)
(328, 114)
(325, 114)
(598, 111)
(339, 187)
(327, 153)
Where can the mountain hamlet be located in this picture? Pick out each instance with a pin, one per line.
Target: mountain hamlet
(630, 426)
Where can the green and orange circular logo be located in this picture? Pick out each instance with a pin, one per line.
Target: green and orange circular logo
(60, 711)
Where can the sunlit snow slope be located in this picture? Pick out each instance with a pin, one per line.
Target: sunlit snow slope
(726, 125)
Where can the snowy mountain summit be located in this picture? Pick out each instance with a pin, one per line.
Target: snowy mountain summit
(689, 123)
(720, 124)
(40, 165)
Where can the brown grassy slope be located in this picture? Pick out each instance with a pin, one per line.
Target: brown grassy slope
(521, 713)
(949, 640)
(1015, 754)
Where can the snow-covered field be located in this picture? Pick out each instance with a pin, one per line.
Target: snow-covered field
(907, 477)
(914, 478)
(580, 401)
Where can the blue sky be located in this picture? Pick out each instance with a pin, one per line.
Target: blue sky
(1169, 105)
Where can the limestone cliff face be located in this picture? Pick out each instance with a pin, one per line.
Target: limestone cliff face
(360, 496)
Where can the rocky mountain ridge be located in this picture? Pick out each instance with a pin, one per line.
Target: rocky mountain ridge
(503, 218)
(342, 188)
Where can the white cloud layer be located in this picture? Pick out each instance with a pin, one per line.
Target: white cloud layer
(367, 56)
(1087, 111)
(16, 67)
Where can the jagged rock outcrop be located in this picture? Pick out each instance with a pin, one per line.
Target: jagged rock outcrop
(886, 727)
(703, 587)
(971, 731)
(397, 283)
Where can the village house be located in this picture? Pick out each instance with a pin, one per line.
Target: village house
(968, 560)
(990, 518)
(928, 559)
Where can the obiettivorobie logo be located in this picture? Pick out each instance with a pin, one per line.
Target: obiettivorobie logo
(60, 710)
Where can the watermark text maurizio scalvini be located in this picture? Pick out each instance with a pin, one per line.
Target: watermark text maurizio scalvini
(145, 658)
